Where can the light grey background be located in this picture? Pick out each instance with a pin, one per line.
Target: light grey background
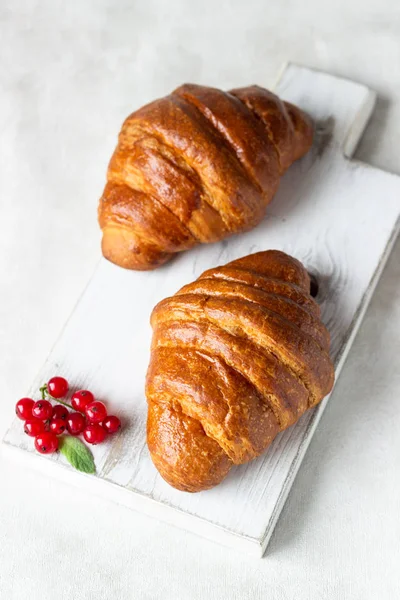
(70, 73)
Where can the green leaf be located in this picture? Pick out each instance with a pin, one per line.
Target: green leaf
(77, 454)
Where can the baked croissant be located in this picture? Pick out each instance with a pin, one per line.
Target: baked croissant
(236, 357)
(195, 167)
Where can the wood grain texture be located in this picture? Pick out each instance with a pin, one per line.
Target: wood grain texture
(338, 217)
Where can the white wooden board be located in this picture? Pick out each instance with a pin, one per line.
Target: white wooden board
(339, 217)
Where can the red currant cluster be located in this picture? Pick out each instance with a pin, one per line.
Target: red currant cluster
(45, 422)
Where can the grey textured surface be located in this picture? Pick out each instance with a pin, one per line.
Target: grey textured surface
(70, 73)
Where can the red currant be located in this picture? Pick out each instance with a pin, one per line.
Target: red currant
(42, 409)
(34, 427)
(94, 433)
(76, 423)
(96, 412)
(58, 426)
(23, 408)
(60, 412)
(111, 424)
(81, 399)
(57, 387)
(46, 442)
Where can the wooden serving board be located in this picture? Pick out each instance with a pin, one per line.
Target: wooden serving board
(338, 216)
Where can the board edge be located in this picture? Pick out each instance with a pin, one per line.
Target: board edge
(318, 411)
(357, 128)
(133, 500)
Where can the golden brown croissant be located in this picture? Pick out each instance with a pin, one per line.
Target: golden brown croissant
(196, 166)
(237, 356)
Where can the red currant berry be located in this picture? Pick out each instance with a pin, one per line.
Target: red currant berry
(94, 433)
(76, 423)
(81, 399)
(111, 424)
(60, 412)
(96, 412)
(23, 408)
(42, 409)
(34, 427)
(57, 387)
(46, 442)
(58, 426)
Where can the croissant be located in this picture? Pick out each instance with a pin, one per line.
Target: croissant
(195, 167)
(237, 356)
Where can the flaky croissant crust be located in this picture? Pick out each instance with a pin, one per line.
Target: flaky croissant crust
(237, 356)
(196, 167)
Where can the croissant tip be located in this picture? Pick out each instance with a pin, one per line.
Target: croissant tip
(121, 246)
